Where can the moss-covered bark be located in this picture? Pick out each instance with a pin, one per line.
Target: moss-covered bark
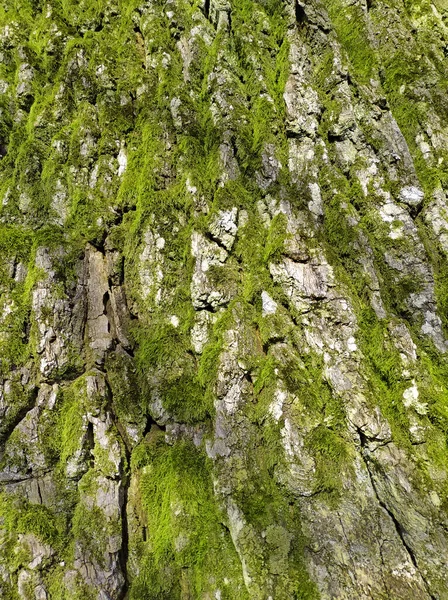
(223, 300)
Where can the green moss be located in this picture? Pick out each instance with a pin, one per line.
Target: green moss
(92, 530)
(19, 400)
(188, 552)
(273, 515)
(128, 403)
(59, 590)
(259, 495)
(339, 234)
(275, 327)
(224, 279)
(71, 423)
(400, 73)
(383, 369)
(251, 248)
(16, 247)
(440, 271)
(24, 517)
(164, 356)
(177, 477)
(330, 447)
(18, 516)
(275, 242)
(351, 27)
(39, 520)
(183, 525)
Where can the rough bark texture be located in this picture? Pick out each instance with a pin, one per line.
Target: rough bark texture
(223, 299)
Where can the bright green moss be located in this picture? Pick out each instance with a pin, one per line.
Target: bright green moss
(183, 525)
(186, 400)
(178, 476)
(351, 27)
(70, 422)
(22, 517)
(164, 356)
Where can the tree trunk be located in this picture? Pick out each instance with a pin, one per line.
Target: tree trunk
(223, 300)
